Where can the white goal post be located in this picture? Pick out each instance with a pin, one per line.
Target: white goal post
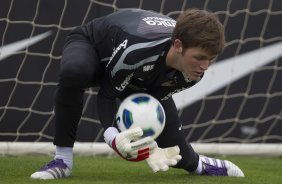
(236, 110)
(102, 149)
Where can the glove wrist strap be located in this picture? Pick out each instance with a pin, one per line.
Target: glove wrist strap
(110, 134)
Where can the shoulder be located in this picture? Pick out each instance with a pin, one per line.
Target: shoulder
(142, 23)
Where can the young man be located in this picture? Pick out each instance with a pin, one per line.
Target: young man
(133, 51)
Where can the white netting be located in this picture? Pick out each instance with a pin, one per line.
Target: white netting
(247, 110)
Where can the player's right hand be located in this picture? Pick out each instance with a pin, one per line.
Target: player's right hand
(163, 158)
(129, 144)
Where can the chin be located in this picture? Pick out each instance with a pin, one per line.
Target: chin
(195, 78)
(191, 77)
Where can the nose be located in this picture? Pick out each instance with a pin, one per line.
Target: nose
(205, 64)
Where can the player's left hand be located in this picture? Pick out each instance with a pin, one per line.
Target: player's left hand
(129, 144)
(162, 158)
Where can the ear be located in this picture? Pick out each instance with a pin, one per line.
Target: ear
(178, 46)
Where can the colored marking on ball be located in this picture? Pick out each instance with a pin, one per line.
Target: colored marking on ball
(160, 114)
(141, 99)
(148, 132)
(127, 118)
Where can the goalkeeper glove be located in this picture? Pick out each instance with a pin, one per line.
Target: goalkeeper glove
(162, 158)
(128, 143)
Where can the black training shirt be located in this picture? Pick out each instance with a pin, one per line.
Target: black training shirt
(133, 45)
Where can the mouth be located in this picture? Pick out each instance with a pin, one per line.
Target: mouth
(199, 74)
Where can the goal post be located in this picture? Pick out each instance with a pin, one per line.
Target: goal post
(235, 109)
(102, 149)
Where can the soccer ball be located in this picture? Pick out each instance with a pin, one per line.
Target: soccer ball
(144, 111)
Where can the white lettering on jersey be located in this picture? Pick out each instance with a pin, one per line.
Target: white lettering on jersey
(171, 93)
(125, 83)
(158, 21)
(147, 68)
(122, 45)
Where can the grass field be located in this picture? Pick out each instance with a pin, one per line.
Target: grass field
(102, 170)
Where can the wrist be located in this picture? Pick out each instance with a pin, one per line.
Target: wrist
(109, 135)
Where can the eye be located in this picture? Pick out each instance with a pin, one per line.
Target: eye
(200, 57)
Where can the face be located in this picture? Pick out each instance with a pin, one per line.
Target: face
(192, 61)
(195, 62)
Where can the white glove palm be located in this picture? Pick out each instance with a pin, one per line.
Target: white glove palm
(162, 158)
(128, 143)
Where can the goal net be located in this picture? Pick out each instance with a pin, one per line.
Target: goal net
(238, 103)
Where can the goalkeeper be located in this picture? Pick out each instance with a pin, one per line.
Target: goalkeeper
(133, 51)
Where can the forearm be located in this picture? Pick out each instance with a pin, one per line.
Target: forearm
(106, 109)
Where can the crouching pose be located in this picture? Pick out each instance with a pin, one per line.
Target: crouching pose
(132, 51)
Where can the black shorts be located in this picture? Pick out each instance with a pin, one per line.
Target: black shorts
(80, 65)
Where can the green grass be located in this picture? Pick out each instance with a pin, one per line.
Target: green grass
(101, 170)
